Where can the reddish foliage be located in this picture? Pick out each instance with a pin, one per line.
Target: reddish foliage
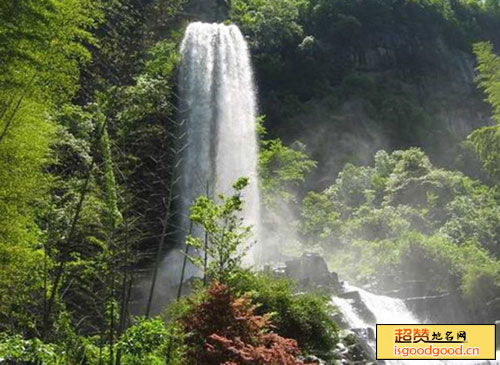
(224, 330)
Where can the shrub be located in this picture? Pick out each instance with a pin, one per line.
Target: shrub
(305, 317)
(145, 341)
(481, 285)
(15, 349)
(223, 329)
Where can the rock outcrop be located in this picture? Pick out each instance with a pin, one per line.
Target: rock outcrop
(210, 11)
(310, 271)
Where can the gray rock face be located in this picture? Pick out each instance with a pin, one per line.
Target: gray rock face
(210, 11)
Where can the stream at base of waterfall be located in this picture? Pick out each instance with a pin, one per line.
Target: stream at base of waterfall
(387, 310)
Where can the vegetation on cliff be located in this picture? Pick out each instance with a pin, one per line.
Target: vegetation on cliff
(349, 78)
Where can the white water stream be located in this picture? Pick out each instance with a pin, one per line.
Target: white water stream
(218, 102)
(387, 310)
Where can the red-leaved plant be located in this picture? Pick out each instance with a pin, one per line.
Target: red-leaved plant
(225, 330)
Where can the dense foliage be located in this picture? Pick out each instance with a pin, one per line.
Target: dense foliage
(403, 220)
(282, 173)
(486, 140)
(351, 77)
(41, 49)
(305, 317)
(82, 110)
(282, 169)
(248, 302)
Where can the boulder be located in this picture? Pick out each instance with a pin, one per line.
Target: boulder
(358, 348)
(311, 271)
(367, 333)
(354, 295)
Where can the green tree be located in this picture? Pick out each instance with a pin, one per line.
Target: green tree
(43, 45)
(486, 140)
(227, 236)
(74, 142)
(282, 169)
(282, 173)
(272, 24)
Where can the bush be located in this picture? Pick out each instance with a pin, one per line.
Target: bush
(305, 317)
(15, 349)
(224, 329)
(481, 285)
(144, 342)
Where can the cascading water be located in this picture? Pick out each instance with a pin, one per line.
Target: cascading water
(386, 310)
(219, 105)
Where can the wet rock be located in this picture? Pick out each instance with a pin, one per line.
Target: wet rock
(354, 295)
(339, 319)
(359, 305)
(341, 349)
(278, 271)
(367, 333)
(355, 349)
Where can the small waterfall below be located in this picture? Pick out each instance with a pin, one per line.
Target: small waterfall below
(218, 103)
(386, 310)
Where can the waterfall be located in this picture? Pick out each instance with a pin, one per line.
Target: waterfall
(387, 310)
(218, 143)
(218, 103)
